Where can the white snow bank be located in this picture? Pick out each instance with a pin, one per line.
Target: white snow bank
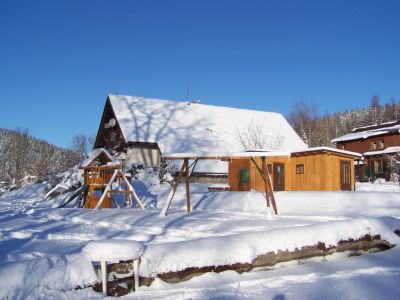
(31, 279)
(113, 250)
(243, 248)
(379, 185)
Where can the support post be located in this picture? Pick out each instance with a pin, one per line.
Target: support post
(265, 168)
(136, 273)
(108, 187)
(103, 265)
(272, 193)
(187, 184)
(132, 190)
(172, 193)
(268, 180)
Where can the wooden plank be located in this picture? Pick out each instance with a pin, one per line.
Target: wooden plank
(187, 185)
(215, 157)
(108, 187)
(119, 192)
(272, 193)
(130, 188)
(265, 167)
(172, 193)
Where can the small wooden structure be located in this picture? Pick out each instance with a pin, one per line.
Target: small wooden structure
(314, 169)
(101, 172)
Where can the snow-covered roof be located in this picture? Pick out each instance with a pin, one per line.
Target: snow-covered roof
(388, 150)
(92, 155)
(222, 155)
(329, 149)
(184, 127)
(375, 126)
(366, 134)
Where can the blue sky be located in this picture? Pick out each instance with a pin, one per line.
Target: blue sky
(60, 59)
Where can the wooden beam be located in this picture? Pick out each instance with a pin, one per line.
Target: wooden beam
(272, 193)
(223, 158)
(172, 193)
(108, 187)
(130, 188)
(194, 164)
(267, 179)
(258, 168)
(186, 161)
(265, 168)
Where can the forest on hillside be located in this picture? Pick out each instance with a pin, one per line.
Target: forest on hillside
(26, 159)
(318, 129)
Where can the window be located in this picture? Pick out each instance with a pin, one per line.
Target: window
(381, 144)
(342, 147)
(299, 169)
(244, 176)
(373, 145)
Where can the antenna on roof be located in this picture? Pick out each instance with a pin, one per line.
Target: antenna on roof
(187, 91)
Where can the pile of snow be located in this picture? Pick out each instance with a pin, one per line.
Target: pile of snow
(243, 248)
(113, 250)
(379, 185)
(46, 277)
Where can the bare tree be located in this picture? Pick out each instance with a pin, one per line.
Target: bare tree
(303, 120)
(81, 144)
(255, 136)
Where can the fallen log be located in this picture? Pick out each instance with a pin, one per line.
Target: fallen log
(121, 286)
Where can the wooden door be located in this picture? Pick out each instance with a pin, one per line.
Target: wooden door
(279, 177)
(345, 176)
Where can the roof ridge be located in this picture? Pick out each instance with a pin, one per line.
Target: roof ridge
(192, 103)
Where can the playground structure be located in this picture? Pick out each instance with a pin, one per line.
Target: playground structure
(103, 178)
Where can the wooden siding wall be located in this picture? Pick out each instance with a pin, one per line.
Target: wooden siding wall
(257, 182)
(321, 172)
(234, 174)
(362, 146)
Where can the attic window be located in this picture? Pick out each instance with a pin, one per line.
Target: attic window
(300, 169)
(373, 145)
(382, 144)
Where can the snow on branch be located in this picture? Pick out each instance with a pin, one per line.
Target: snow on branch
(256, 136)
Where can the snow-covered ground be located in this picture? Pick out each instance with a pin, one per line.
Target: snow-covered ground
(40, 246)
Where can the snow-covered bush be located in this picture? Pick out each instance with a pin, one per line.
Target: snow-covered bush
(165, 172)
(155, 176)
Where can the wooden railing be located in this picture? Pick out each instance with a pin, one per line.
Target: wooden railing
(98, 175)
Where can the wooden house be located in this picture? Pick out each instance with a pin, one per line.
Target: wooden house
(314, 169)
(376, 143)
(147, 129)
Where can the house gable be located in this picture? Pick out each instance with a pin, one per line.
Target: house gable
(109, 137)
